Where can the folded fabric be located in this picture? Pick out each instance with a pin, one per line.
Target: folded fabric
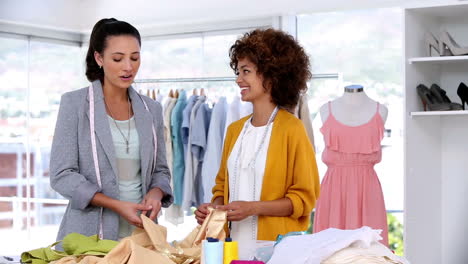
(314, 248)
(375, 254)
(149, 245)
(74, 244)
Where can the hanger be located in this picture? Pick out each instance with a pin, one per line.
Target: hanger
(202, 92)
(153, 94)
(171, 94)
(195, 91)
(148, 93)
(176, 94)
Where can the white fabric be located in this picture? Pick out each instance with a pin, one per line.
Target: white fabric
(375, 254)
(314, 248)
(242, 231)
(128, 167)
(168, 106)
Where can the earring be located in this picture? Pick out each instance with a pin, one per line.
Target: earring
(100, 67)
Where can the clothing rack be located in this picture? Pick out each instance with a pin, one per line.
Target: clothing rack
(223, 79)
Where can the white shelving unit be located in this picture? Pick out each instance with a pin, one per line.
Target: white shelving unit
(436, 143)
(439, 113)
(439, 60)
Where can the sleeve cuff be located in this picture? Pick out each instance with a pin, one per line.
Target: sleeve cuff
(82, 195)
(163, 184)
(298, 206)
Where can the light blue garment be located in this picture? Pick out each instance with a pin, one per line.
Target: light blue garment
(178, 148)
(214, 147)
(128, 167)
(186, 121)
(190, 161)
(199, 136)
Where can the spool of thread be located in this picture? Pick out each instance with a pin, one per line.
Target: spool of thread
(213, 251)
(231, 251)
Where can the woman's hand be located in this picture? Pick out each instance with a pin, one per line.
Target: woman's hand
(238, 210)
(153, 199)
(129, 211)
(202, 212)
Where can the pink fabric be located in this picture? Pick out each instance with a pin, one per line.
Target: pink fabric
(351, 195)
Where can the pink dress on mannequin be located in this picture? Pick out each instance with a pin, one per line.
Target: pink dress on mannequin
(351, 195)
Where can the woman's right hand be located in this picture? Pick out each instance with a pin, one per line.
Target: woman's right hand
(202, 212)
(129, 211)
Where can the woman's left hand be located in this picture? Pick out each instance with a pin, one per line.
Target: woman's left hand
(153, 198)
(238, 210)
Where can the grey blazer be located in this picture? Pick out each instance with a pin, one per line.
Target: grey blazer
(72, 171)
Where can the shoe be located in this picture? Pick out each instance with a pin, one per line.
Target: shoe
(429, 101)
(441, 97)
(432, 43)
(448, 46)
(462, 92)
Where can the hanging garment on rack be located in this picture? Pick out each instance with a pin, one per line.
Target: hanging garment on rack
(199, 144)
(186, 121)
(214, 147)
(237, 110)
(160, 98)
(189, 173)
(351, 195)
(302, 112)
(174, 213)
(167, 108)
(178, 148)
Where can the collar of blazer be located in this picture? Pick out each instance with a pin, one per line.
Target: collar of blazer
(143, 122)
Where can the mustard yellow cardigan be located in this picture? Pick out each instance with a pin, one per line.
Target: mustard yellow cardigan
(290, 171)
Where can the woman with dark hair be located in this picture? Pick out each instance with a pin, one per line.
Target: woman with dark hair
(108, 154)
(268, 179)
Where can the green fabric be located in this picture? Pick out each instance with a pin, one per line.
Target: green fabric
(74, 244)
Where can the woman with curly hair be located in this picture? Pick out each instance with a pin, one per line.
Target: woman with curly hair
(268, 179)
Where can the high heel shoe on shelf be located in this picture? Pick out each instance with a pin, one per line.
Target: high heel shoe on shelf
(432, 43)
(462, 92)
(429, 101)
(448, 46)
(441, 96)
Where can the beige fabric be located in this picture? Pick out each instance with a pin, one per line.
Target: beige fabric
(302, 112)
(149, 245)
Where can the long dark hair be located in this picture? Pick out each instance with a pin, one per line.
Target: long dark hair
(103, 29)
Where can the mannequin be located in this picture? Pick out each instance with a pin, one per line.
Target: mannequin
(354, 108)
(351, 195)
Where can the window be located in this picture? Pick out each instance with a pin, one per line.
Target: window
(33, 74)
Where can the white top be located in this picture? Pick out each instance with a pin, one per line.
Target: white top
(241, 231)
(128, 167)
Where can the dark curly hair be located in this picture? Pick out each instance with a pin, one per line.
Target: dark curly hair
(103, 29)
(281, 61)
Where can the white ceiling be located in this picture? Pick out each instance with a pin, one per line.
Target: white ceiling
(80, 15)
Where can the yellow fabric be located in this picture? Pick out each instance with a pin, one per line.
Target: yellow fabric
(290, 171)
